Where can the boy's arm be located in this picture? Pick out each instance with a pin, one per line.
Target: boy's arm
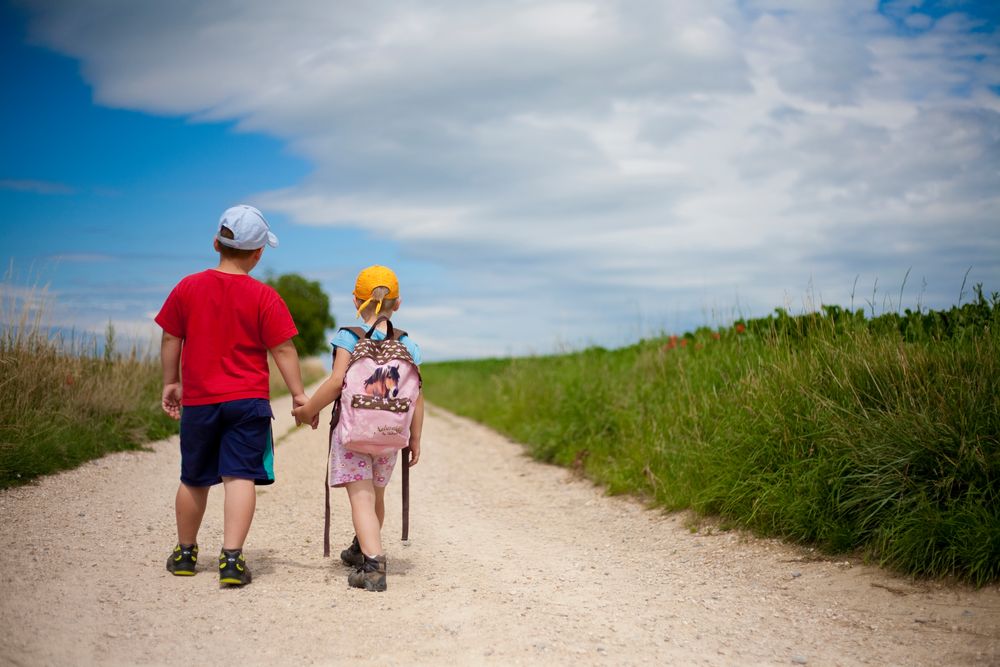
(416, 428)
(327, 393)
(287, 361)
(170, 358)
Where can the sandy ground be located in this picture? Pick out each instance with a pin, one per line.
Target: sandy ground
(509, 562)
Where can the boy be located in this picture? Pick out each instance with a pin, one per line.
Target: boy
(218, 326)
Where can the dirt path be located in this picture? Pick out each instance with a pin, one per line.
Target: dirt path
(510, 562)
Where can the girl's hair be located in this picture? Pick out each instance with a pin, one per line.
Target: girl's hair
(378, 296)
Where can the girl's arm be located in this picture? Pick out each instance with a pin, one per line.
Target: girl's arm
(416, 427)
(327, 393)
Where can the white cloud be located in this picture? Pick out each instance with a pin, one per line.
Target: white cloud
(579, 166)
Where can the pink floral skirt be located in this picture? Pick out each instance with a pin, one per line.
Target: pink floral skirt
(347, 466)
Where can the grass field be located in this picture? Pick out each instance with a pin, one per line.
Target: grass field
(879, 436)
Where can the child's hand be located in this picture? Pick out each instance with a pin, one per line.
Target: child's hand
(301, 412)
(301, 415)
(414, 452)
(171, 400)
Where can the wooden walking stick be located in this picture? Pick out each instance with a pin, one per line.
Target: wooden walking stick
(334, 418)
(406, 493)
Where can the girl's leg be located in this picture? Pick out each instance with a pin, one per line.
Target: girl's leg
(380, 504)
(366, 523)
(189, 506)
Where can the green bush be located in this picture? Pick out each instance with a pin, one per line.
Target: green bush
(310, 308)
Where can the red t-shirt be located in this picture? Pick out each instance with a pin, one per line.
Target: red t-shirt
(227, 322)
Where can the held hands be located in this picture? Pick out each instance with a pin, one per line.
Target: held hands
(301, 412)
(171, 400)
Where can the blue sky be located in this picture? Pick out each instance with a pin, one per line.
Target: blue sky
(541, 175)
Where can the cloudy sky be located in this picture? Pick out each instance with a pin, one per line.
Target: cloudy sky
(542, 175)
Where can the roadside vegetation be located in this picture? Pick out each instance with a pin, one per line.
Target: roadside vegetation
(310, 308)
(68, 399)
(872, 435)
(63, 402)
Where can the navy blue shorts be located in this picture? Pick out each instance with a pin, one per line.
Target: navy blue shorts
(231, 439)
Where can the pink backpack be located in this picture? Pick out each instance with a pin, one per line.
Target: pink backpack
(380, 387)
(374, 411)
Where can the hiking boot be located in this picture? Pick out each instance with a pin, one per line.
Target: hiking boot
(233, 570)
(370, 575)
(352, 555)
(183, 560)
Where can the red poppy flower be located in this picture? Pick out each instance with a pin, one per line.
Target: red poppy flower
(740, 327)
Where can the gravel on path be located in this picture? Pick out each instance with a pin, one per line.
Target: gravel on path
(509, 562)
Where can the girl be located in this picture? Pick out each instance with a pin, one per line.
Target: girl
(376, 295)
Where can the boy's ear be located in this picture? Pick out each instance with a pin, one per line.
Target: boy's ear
(215, 244)
(258, 254)
(399, 302)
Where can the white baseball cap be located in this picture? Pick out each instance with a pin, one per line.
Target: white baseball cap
(250, 229)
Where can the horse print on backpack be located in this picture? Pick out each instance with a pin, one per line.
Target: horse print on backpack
(383, 382)
(380, 387)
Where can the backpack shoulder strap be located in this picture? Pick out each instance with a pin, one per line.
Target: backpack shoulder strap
(361, 333)
(357, 331)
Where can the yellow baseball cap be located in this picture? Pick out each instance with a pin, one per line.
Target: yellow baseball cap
(369, 279)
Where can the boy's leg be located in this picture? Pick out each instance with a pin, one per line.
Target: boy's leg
(245, 459)
(246, 455)
(199, 471)
(189, 506)
(240, 503)
(366, 523)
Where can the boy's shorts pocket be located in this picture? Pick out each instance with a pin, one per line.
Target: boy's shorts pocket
(262, 408)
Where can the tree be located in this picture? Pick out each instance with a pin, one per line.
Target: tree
(310, 308)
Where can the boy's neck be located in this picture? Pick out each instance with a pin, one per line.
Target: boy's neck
(235, 266)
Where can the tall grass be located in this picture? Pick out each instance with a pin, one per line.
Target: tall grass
(875, 435)
(66, 402)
